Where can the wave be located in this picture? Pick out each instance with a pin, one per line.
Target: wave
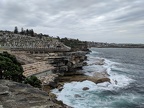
(74, 95)
(117, 80)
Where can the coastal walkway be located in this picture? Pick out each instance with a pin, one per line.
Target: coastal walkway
(40, 50)
(37, 68)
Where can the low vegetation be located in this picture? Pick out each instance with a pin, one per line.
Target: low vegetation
(75, 44)
(32, 80)
(11, 69)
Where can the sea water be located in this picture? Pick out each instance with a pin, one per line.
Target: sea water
(126, 90)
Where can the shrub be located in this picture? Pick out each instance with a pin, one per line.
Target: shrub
(10, 68)
(33, 81)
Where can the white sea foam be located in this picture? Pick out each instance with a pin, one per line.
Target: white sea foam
(95, 52)
(67, 95)
(116, 79)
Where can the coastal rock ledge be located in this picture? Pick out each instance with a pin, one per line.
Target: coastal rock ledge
(18, 95)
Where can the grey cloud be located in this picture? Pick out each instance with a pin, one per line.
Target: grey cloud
(131, 15)
(98, 20)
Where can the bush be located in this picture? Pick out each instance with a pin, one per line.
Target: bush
(10, 68)
(33, 81)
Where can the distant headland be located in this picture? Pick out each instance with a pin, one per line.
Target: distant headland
(114, 45)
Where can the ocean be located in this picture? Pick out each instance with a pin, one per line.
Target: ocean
(126, 90)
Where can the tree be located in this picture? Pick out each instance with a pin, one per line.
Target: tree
(31, 32)
(10, 68)
(16, 30)
(58, 38)
(27, 31)
(22, 31)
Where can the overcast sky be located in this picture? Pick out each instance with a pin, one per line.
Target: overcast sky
(119, 21)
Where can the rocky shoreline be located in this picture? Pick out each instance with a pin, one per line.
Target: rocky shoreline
(73, 73)
(52, 62)
(78, 76)
(65, 66)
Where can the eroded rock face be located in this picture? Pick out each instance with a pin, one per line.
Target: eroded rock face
(77, 59)
(17, 95)
(68, 61)
(50, 80)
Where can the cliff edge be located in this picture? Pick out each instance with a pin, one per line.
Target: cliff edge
(17, 95)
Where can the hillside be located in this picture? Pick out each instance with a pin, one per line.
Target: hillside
(9, 40)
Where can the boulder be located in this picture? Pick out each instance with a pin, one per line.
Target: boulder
(53, 84)
(60, 89)
(101, 80)
(99, 62)
(85, 88)
(102, 74)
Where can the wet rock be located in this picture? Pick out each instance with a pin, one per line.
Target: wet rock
(99, 80)
(77, 96)
(60, 86)
(100, 77)
(85, 88)
(60, 89)
(103, 80)
(100, 62)
(53, 84)
(103, 74)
